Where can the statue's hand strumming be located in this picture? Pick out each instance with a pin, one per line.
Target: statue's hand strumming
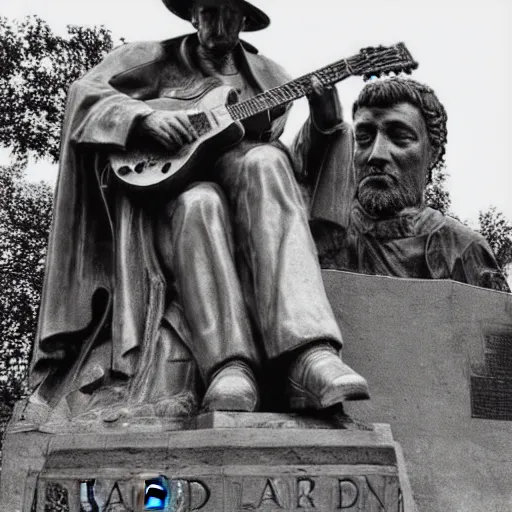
(325, 107)
(171, 129)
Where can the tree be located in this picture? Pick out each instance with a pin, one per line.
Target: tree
(436, 196)
(37, 69)
(498, 232)
(25, 213)
(494, 227)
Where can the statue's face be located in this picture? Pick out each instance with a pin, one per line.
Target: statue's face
(218, 25)
(392, 155)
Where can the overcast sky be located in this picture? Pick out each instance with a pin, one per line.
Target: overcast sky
(463, 47)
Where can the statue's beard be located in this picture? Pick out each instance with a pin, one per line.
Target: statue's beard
(381, 195)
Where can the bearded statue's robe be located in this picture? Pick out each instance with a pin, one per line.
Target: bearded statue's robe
(418, 243)
(104, 287)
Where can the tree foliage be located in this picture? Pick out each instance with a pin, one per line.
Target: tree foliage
(494, 226)
(436, 195)
(25, 213)
(498, 232)
(37, 67)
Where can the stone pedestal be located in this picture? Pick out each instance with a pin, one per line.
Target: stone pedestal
(232, 462)
(438, 359)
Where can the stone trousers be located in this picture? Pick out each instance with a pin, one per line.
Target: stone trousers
(244, 262)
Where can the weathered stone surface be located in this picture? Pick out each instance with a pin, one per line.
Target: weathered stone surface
(421, 344)
(234, 492)
(220, 469)
(277, 420)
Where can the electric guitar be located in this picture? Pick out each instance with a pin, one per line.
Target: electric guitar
(217, 119)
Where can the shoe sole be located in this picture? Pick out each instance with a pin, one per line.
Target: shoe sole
(229, 405)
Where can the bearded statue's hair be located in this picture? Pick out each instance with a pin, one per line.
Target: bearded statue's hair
(392, 91)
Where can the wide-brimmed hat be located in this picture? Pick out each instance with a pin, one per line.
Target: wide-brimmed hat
(255, 19)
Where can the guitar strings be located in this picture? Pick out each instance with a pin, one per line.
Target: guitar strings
(349, 68)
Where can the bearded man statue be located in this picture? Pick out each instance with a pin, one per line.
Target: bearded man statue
(400, 137)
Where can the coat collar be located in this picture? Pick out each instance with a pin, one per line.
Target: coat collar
(265, 74)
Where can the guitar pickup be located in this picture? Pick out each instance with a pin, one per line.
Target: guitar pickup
(200, 123)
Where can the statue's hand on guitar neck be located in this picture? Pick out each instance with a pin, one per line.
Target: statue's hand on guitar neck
(171, 129)
(325, 107)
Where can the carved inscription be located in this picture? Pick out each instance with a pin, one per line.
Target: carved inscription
(198, 494)
(349, 493)
(270, 495)
(491, 383)
(305, 488)
(115, 501)
(327, 494)
(242, 493)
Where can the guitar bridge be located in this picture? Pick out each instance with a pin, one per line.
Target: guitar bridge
(200, 123)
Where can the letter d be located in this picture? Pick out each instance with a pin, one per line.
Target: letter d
(199, 494)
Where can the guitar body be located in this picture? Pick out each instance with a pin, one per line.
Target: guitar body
(158, 169)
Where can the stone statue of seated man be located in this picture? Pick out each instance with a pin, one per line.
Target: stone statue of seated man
(222, 277)
(399, 139)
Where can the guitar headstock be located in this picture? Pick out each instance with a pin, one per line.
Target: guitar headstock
(381, 60)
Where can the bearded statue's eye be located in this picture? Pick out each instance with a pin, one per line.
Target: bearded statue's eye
(363, 138)
(401, 137)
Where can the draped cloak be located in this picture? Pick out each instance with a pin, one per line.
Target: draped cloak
(101, 260)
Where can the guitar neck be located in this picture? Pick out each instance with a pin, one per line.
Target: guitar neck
(369, 61)
(290, 91)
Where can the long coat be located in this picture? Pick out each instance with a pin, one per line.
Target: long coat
(101, 261)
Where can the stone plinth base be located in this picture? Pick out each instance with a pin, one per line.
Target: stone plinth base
(438, 359)
(221, 466)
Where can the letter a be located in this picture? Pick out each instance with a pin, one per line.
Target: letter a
(270, 495)
(115, 502)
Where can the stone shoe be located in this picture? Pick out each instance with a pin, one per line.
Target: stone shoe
(232, 388)
(319, 378)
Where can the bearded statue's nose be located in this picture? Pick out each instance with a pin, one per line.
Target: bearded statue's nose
(375, 166)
